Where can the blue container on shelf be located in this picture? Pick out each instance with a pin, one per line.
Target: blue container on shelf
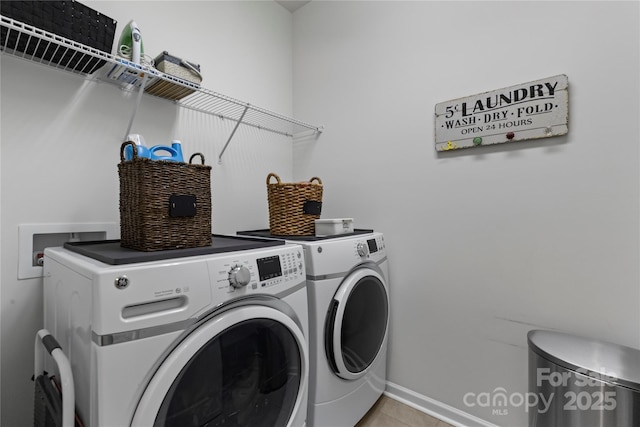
(162, 152)
(141, 148)
(143, 152)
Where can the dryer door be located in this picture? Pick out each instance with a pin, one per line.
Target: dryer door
(244, 367)
(356, 324)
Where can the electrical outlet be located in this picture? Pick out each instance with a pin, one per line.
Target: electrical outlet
(34, 238)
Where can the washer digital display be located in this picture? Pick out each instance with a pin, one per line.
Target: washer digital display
(269, 267)
(373, 247)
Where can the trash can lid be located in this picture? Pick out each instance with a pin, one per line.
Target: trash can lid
(605, 361)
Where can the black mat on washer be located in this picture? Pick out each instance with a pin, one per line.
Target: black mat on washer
(267, 234)
(110, 251)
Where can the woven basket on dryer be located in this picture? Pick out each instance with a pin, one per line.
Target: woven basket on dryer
(164, 204)
(293, 207)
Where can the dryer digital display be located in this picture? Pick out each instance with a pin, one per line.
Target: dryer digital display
(373, 247)
(269, 267)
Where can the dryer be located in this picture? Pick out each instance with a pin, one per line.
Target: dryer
(348, 291)
(217, 339)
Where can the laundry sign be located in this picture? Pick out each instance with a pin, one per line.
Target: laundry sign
(538, 109)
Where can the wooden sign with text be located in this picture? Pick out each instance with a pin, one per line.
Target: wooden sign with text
(538, 109)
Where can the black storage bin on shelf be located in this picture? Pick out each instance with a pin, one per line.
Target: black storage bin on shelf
(69, 19)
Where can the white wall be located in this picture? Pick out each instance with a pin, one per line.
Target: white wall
(488, 243)
(60, 137)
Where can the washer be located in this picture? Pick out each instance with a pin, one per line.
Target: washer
(348, 287)
(217, 339)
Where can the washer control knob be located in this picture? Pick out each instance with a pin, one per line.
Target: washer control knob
(239, 276)
(363, 249)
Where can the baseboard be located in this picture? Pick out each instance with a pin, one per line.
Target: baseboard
(443, 412)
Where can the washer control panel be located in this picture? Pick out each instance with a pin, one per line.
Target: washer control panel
(268, 271)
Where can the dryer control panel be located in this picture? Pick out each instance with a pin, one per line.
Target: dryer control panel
(370, 247)
(341, 254)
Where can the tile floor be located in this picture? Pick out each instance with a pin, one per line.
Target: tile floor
(391, 413)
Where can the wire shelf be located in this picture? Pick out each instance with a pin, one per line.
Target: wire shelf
(62, 53)
(226, 107)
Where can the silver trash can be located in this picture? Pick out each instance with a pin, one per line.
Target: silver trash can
(580, 382)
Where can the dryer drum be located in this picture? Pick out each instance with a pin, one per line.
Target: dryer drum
(363, 326)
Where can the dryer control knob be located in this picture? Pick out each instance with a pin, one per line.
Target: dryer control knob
(239, 276)
(363, 249)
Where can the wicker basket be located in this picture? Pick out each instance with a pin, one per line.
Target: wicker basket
(172, 65)
(293, 207)
(164, 204)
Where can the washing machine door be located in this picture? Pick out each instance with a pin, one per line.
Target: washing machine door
(245, 367)
(356, 323)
